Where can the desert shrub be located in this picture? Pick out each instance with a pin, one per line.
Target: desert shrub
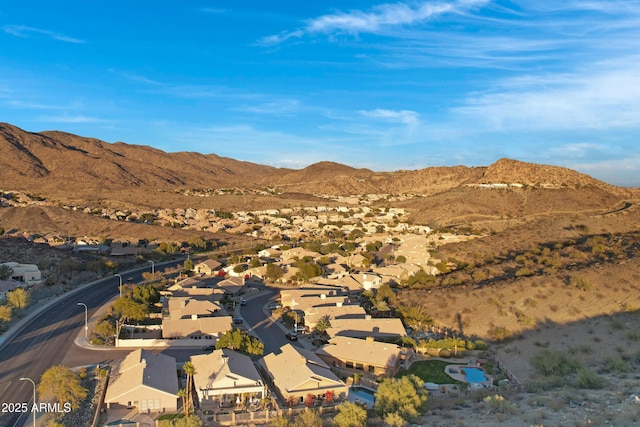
(586, 378)
(497, 404)
(445, 353)
(633, 335)
(615, 364)
(580, 283)
(555, 363)
(499, 333)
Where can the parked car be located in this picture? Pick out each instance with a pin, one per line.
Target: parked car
(209, 348)
(243, 301)
(237, 321)
(291, 336)
(275, 306)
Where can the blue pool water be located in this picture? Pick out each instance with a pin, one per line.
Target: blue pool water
(474, 375)
(362, 394)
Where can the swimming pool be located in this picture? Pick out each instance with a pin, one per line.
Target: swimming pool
(474, 375)
(362, 394)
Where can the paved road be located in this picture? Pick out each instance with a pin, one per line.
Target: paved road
(48, 340)
(270, 334)
(44, 342)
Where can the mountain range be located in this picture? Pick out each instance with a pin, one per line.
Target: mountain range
(55, 162)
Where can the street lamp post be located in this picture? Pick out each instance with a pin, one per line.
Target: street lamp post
(86, 323)
(153, 267)
(33, 408)
(120, 286)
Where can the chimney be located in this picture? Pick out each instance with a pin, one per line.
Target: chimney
(339, 304)
(369, 339)
(323, 296)
(367, 317)
(143, 362)
(194, 317)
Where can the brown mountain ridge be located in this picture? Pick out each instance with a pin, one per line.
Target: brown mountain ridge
(68, 166)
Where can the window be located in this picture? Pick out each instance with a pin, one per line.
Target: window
(143, 405)
(371, 368)
(360, 366)
(349, 365)
(150, 404)
(157, 405)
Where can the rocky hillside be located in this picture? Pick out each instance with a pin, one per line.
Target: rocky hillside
(70, 166)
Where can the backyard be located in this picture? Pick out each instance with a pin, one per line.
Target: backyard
(430, 371)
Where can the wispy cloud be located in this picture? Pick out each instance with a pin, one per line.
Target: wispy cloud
(72, 119)
(407, 117)
(379, 18)
(605, 97)
(27, 32)
(279, 107)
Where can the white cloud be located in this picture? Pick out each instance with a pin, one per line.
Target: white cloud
(603, 97)
(378, 18)
(26, 32)
(407, 117)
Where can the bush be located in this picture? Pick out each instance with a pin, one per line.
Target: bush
(555, 363)
(589, 379)
(497, 404)
(615, 364)
(499, 333)
(445, 353)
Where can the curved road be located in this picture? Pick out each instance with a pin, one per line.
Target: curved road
(47, 340)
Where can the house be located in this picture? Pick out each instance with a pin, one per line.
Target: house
(233, 286)
(196, 328)
(146, 380)
(368, 281)
(8, 286)
(338, 311)
(297, 373)
(351, 355)
(27, 274)
(223, 376)
(367, 327)
(186, 307)
(209, 267)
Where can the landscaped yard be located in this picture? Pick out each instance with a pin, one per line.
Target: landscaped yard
(431, 371)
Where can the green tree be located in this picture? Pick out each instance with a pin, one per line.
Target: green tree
(61, 385)
(238, 268)
(188, 264)
(281, 421)
(307, 270)
(274, 272)
(420, 279)
(323, 324)
(105, 329)
(145, 294)
(401, 259)
(5, 272)
(350, 415)
(129, 309)
(255, 263)
(18, 298)
(404, 396)
(394, 419)
(414, 315)
(240, 340)
(308, 418)
(385, 293)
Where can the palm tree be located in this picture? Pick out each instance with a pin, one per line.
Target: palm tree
(190, 370)
(182, 393)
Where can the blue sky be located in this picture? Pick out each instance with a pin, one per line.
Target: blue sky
(387, 86)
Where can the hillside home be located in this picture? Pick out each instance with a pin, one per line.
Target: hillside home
(209, 267)
(144, 380)
(367, 281)
(26, 274)
(224, 376)
(351, 355)
(296, 373)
